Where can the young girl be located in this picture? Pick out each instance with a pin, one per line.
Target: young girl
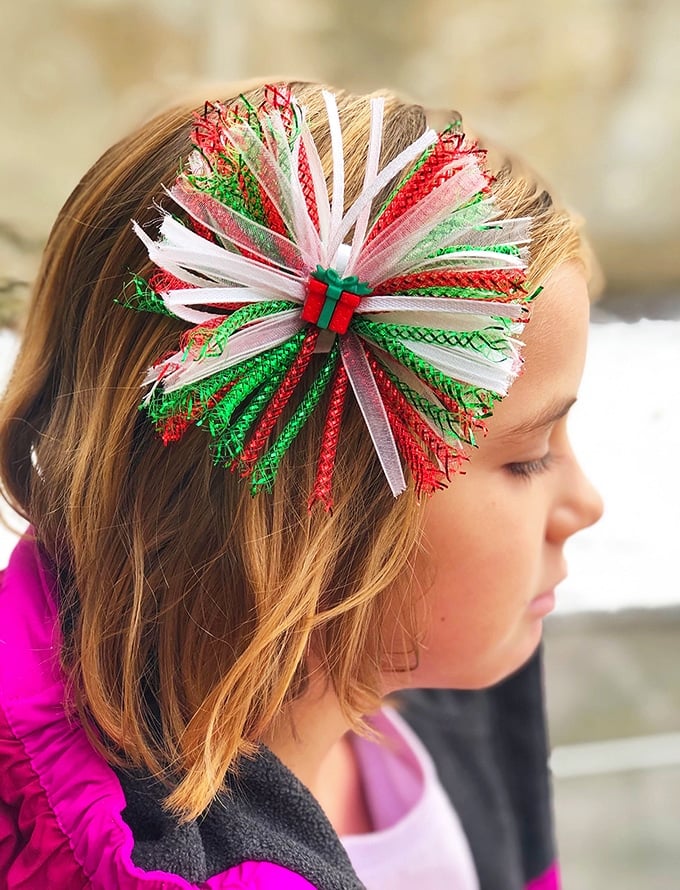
(218, 591)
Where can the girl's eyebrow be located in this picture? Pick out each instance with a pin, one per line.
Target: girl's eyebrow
(544, 417)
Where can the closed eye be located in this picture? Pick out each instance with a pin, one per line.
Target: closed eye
(530, 468)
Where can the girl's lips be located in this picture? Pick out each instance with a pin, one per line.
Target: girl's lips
(543, 604)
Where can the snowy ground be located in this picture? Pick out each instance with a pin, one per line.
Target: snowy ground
(626, 430)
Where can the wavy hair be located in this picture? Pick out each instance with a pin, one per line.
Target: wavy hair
(189, 608)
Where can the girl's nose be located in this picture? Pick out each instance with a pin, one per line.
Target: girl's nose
(579, 506)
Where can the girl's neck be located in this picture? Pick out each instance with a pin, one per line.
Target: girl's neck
(313, 741)
(341, 791)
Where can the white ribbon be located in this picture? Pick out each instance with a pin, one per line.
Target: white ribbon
(373, 410)
(338, 158)
(372, 161)
(323, 206)
(193, 316)
(196, 296)
(185, 250)
(284, 193)
(306, 235)
(165, 261)
(442, 321)
(446, 305)
(386, 175)
(179, 301)
(387, 255)
(470, 366)
(502, 231)
(473, 261)
(243, 232)
(258, 337)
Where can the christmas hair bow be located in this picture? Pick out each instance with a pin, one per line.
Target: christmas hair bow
(417, 314)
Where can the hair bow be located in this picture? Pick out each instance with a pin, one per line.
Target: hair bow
(417, 313)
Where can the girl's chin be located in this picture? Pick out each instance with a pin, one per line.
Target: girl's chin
(492, 672)
(497, 666)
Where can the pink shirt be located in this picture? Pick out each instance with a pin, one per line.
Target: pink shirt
(418, 840)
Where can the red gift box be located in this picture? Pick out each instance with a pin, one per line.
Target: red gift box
(327, 304)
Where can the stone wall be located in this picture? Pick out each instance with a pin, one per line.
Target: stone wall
(586, 88)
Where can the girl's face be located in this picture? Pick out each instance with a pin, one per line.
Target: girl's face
(493, 543)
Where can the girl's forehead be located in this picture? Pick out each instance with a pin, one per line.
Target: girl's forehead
(559, 318)
(554, 354)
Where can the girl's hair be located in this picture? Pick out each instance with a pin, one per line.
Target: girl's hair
(189, 608)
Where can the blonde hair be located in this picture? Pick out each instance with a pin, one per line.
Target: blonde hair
(189, 608)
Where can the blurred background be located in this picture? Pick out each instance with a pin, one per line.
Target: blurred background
(588, 91)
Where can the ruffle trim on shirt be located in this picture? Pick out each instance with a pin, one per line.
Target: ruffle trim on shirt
(59, 799)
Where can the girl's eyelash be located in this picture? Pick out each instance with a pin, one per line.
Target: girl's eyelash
(530, 467)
